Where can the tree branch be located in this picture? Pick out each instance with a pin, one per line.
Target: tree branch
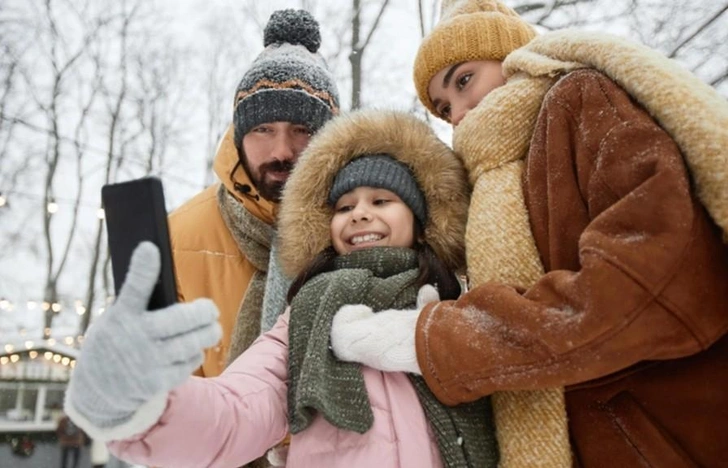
(374, 27)
(699, 30)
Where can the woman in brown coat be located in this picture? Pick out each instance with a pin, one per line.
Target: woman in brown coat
(595, 246)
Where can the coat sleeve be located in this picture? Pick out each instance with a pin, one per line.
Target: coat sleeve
(223, 421)
(605, 178)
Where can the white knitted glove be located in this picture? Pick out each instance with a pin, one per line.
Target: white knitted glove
(132, 358)
(383, 340)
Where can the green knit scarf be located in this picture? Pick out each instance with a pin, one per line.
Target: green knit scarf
(381, 278)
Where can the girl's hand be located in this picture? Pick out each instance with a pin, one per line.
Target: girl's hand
(132, 358)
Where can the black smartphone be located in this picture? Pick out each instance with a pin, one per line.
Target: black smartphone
(135, 212)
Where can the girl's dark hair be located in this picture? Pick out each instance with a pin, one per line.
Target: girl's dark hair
(432, 270)
(321, 263)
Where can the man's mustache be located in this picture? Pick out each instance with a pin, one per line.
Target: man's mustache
(276, 166)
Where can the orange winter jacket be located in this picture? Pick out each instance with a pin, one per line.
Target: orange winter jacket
(207, 259)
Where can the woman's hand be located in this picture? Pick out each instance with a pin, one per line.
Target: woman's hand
(383, 340)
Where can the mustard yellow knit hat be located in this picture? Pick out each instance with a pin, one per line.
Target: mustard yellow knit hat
(468, 30)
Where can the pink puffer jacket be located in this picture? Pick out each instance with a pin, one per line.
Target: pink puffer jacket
(232, 419)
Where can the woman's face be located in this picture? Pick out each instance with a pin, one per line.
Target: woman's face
(371, 217)
(456, 89)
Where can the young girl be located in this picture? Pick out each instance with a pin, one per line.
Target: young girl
(594, 247)
(373, 213)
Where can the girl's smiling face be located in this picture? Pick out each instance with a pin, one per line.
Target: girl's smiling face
(371, 217)
(457, 89)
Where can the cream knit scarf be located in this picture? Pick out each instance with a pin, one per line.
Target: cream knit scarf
(493, 141)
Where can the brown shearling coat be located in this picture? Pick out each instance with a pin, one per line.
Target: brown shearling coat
(632, 312)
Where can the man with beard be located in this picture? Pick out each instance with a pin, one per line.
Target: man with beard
(223, 238)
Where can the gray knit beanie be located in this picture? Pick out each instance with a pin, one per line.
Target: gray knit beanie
(381, 171)
(288, 81)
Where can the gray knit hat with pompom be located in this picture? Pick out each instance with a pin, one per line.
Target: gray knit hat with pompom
(289, 80)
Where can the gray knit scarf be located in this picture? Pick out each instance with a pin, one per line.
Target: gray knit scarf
(276, 289)
(382, 278)
(254, 239)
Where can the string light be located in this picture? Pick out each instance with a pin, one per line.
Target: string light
(52, 207)
(54, 204)
(72, 341)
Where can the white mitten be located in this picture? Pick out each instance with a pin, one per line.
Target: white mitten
(384, 340)
(132, 358)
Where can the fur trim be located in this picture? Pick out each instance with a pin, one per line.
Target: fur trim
(304, 217)
(146, 416)
(692, 112)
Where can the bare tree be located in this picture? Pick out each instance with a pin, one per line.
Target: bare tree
(63, 58)
(359, 46)
(695, 34)
(223, 64)
(114, 92)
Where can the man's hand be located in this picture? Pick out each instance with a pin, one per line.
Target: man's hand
(384, 340)
(132, 358)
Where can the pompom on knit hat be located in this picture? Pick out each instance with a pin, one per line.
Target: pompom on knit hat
(289, 81)
(468, 30)
(381, 171)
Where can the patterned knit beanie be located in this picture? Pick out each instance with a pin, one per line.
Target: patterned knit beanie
(288, 81)
(468, 30)
(381, 171)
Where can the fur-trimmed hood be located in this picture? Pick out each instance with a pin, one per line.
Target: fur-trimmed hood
(304, 217)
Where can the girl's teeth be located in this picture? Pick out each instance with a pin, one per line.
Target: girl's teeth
(366, 238)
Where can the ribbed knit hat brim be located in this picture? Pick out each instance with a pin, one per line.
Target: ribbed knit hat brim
(280, 105)
(381, 171)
